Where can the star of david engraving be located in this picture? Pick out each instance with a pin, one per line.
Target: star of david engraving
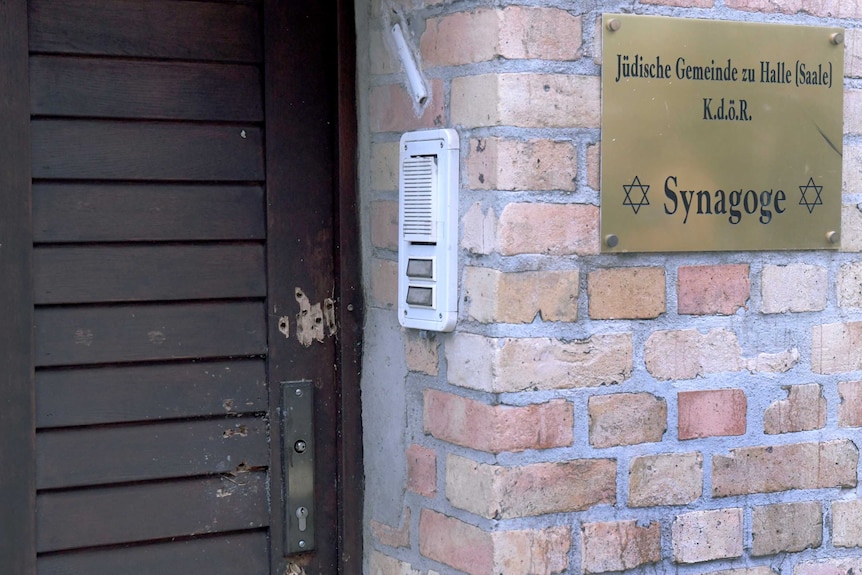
(812, 188)
(640, 188)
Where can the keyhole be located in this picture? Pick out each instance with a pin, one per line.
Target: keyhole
(301, 514)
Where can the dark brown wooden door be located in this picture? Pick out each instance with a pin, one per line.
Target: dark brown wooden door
(184, 168)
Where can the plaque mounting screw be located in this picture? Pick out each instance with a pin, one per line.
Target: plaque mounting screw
(612, 240)
(833, 237)
(836, 38)
(614, 24)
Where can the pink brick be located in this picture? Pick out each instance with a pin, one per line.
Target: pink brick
(708, 290)
(384, 225)
(845, 566)
(515, 32)
(391, 109)
(619, 545)
(828, 8)
(835, 348)
(422, 470)
(497, 492)
(850, 409)
(786, 527)
(393, 536)
(803, 410)
(526, 100)
(852, 114)
(627, 293)
(420, 352)
(707, 535)
(594, 154)
(769, 469)
(384, 283)
(497, 428)
(461, 38)
(492, 296)
(502, 164)
(626, 419)
(665, 479)
(847, 523)
(711, 413)
(682, 3)
(549, 229)
(384, 565)
(500, 365)
(853, 52)
(541, 33)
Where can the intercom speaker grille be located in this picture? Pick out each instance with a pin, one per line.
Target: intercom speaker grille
(420, 182)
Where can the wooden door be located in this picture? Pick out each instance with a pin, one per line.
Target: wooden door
(183, 174)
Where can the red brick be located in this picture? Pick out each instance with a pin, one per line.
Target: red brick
(391, 109)
(455, 543)
(619, 545)
(550, 229)
(422, 470)
(498, 428)
(478, 552)
(708, 290)
(711, 413)
(626, 419)
(768, 469)
(627, 293)
(850, 410)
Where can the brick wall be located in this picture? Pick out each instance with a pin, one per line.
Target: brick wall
(691, 413)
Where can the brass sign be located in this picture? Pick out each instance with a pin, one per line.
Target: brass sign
(720, 135)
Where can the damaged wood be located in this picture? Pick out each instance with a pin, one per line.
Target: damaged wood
(313, 318)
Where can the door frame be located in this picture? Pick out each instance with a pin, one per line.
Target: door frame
(335, 70)
(18, 419)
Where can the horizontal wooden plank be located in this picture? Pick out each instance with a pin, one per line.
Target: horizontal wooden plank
(246, 553)
(69, 397)
(93, 335)
(141, 212)
(100, 88)
(147, 28)
(103, 455)
(116, 150)
(149, 511)
(147, 273)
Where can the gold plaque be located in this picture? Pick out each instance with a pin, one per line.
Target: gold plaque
(720, 135)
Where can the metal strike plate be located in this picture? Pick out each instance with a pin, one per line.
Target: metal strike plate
(297, 428)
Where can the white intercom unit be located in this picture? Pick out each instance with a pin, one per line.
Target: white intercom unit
(428, 230)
